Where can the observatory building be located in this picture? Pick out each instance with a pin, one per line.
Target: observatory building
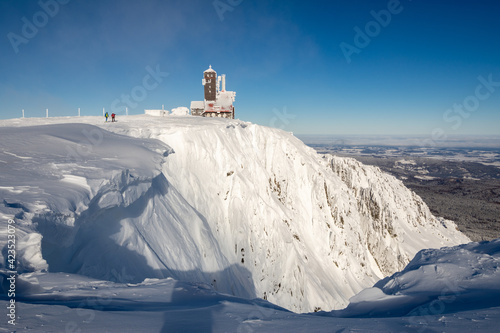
(218, 102)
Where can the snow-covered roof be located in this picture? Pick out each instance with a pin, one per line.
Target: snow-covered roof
(197, 105)
(209, 70)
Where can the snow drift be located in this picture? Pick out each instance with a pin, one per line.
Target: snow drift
(435, 282)
(248, 209)
(442, 290)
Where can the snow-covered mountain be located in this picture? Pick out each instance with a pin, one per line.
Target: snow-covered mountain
(248, 209)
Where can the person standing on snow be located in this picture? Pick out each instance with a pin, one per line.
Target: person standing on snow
(113, 117)
(106, 115)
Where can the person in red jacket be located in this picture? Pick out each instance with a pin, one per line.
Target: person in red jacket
(113, 117)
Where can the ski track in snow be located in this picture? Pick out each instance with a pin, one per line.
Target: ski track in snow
(226, 207)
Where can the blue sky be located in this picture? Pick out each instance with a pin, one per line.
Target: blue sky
(415, 70)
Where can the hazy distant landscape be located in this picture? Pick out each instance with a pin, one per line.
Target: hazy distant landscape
(458, 183)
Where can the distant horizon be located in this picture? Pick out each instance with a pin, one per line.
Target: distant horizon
(416, 140)
(404, 140)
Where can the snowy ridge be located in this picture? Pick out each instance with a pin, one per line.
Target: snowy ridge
(248, 209)
(436, 281)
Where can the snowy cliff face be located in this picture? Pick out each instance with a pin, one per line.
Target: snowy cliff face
(248, 209)
(312, 231)
(395, 222)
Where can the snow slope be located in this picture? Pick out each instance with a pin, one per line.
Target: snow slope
(104, 211)
(435, 282)
(447, 290)
(247, 209)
